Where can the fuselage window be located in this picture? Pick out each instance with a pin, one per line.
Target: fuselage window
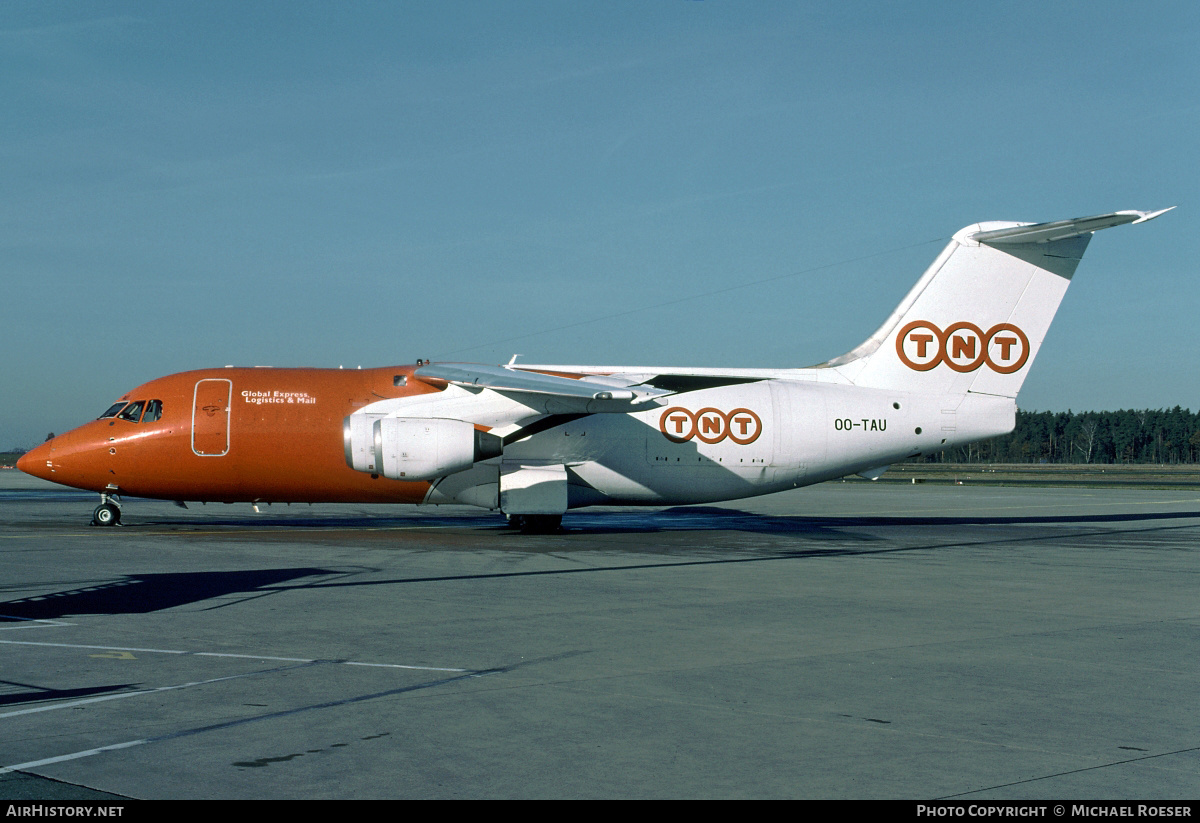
(112, 411)
(153, 411)
(133, 411)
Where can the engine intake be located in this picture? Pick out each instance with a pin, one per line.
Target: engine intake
(415, 448)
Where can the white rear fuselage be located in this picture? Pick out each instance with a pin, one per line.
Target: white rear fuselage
(794, 428)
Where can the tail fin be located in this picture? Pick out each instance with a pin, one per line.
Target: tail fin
(977, 317)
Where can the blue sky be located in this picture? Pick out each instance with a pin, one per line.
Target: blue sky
(185, 185)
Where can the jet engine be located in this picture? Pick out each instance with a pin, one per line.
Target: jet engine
(415, 448)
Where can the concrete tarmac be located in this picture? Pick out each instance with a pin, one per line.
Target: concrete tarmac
(848, 640)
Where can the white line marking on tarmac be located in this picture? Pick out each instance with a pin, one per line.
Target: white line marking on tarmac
(33, 764)
(102, 648)
(138, 693)
(401, 666)
(227, 724)
(31, 623)
(227, 654)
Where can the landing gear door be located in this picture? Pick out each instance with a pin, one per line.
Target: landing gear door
(210, 417)
(533, 490)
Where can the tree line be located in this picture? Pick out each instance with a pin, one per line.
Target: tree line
(1127, 436)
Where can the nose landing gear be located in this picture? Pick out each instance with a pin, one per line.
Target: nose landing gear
(108, 513)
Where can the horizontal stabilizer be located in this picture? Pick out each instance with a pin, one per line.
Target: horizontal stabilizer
(1063, 229)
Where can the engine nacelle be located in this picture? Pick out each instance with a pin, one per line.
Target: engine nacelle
(415, 448)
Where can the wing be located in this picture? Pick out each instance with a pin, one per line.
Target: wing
(585, 394)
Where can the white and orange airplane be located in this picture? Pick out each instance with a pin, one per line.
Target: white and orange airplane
(535, 441)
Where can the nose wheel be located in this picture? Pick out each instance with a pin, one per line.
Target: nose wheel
(108, 513)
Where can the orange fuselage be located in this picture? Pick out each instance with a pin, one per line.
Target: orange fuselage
(234, 434)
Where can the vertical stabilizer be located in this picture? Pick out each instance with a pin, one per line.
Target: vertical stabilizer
(977, 317)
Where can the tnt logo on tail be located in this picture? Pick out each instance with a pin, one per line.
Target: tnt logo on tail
(963, 346)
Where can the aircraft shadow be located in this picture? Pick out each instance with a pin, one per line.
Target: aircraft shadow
(848, 535)
(143, 593)
(29, 693)
(268, 522)
(643, 521)
(713, 518)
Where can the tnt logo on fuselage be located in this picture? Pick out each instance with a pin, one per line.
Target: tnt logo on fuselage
(964, 347)
(710, 425)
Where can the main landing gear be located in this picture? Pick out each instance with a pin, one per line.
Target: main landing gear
(108, 513)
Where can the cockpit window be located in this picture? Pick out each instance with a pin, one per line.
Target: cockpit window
(153, 411)
(132, 412)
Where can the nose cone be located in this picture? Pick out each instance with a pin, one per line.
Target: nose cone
(37, 462)
(72, 459)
